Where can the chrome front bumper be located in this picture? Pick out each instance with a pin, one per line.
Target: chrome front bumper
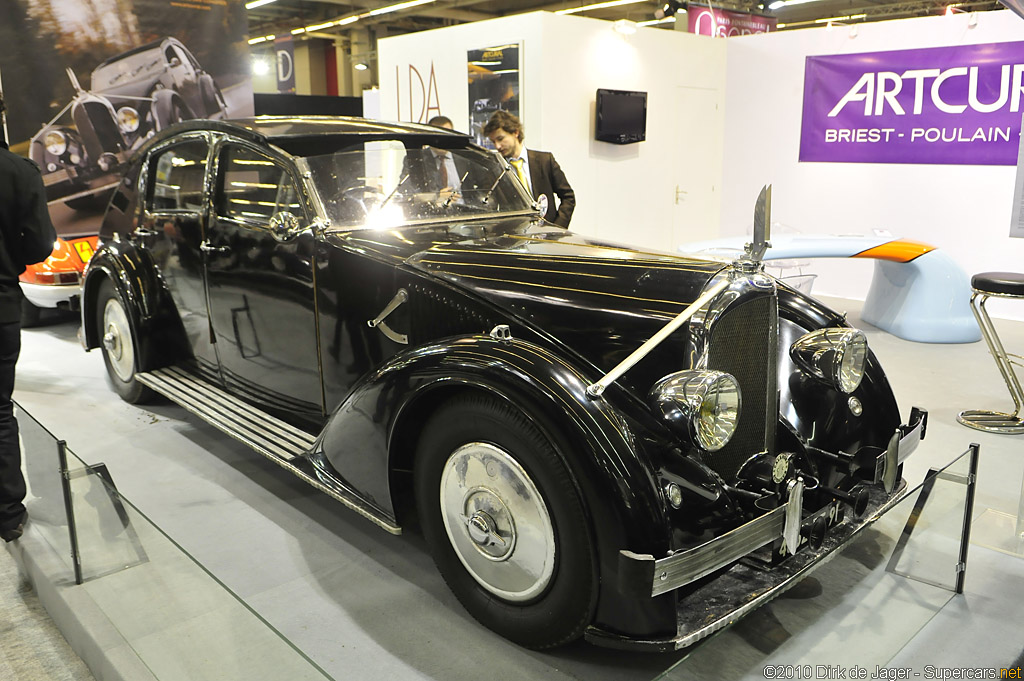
(644, 575)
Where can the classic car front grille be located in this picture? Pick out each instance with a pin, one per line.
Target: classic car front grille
(98, 129)
(743, 343)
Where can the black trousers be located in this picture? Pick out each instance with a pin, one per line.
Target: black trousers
(12, 482)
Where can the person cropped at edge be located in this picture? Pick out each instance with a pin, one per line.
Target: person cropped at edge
(538, 169)
(26, 237)
(444, 176)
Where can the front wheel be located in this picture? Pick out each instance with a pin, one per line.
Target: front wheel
(120, 346)
(504, 522)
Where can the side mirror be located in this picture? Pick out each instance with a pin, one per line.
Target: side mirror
(175, 62)
(284, 226)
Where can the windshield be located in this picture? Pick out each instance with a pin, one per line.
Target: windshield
(127, 70)
(384, 184)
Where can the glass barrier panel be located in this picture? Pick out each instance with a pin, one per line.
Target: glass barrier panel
(45, 498)
(861, 607)
(181, 622)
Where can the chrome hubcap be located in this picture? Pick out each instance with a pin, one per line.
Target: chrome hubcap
(115, 332)
(497, 522)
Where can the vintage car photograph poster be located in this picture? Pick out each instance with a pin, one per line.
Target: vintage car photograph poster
(942, 105)
(86, 83)
(493, 85)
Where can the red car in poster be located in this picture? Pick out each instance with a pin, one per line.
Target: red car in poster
(55, 282)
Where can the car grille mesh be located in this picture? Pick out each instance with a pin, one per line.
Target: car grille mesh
(743, 342)
(98, 130)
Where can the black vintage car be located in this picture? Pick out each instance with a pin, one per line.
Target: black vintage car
(132, 96)
(595, 440)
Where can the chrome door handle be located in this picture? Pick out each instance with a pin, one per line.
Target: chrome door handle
(205, 247)
(142, 232)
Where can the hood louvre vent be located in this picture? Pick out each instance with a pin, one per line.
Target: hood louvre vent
(437, 315)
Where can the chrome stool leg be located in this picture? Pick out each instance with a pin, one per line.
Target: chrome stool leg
(983, 419)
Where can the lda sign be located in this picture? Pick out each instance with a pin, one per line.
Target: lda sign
(421, 100)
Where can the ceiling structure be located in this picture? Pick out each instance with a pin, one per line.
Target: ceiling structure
(337, 20)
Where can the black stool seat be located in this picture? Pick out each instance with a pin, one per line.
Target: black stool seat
(999, 283)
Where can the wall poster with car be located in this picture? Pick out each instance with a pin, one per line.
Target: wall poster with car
(87, 82)
(493, 85)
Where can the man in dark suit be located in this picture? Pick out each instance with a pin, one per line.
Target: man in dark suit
(537, 170)
(26, 237)
(436, 170)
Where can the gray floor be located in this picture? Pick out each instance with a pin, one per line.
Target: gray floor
(361, 603)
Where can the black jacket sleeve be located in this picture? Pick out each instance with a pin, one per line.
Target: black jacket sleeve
(566, 196)
(37, 232)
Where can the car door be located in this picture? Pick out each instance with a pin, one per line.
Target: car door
(260, 289)
(172, 230)
(182, 76)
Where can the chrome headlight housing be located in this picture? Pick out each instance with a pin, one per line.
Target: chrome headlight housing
(128, 119)
(701, 405)
(837, 356)
(55, 142)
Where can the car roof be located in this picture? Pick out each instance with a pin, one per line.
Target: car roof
(311, 135)
(137, 50)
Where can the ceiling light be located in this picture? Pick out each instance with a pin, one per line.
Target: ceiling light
(598, 5)
(258, 3)
(400, 6)
(360, 66)
(625, 27)
(668, 9)
(261, 39)
(777, 4)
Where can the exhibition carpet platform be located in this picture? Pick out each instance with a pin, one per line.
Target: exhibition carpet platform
(254, 572)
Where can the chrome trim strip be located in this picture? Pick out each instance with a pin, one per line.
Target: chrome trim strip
(276, 440)
(688, 566)
(595, 390)
(794, 514)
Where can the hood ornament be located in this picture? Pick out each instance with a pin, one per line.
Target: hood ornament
(754, 251)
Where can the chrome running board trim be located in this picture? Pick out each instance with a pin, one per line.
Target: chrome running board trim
(278, 441)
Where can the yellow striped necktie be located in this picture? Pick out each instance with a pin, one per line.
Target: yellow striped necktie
(517, 163)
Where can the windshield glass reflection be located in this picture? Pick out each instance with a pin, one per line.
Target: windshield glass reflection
(384, 185)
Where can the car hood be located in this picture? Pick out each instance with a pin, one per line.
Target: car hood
(600, 300)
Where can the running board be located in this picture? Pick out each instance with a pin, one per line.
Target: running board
(281, 442)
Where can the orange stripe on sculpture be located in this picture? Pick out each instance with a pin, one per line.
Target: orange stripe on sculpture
(900, 250)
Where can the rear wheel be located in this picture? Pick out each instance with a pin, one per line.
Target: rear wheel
(120, 346)
(504, 522)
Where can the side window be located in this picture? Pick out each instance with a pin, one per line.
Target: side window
(253, 187)
(176, 177)
(169, 53)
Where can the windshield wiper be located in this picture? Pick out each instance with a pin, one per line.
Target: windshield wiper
(394, 191)
(490, 191)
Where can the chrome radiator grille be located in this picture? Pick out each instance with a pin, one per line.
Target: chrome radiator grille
(743, 343)
(98, 130)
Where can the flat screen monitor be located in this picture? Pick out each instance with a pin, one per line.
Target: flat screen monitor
(621, 116)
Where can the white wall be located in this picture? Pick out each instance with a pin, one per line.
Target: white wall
(962, 209)
(624, 193)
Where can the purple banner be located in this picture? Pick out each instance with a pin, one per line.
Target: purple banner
(724, 24)
(942, 105)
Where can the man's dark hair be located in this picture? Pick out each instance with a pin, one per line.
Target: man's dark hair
(505, 121)
(440, 121)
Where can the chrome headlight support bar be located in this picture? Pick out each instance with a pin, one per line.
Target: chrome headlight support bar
(595, 390)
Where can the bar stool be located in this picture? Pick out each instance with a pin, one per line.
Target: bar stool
(1002, 285)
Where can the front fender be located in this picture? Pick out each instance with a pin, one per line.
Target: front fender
(134, 275)
(375, 430)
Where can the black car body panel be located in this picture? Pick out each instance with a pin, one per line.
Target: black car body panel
(360, 336)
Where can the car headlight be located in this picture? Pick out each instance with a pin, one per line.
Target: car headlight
(835, 355)
(128, 119)
(702, 405)
(56, 142)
